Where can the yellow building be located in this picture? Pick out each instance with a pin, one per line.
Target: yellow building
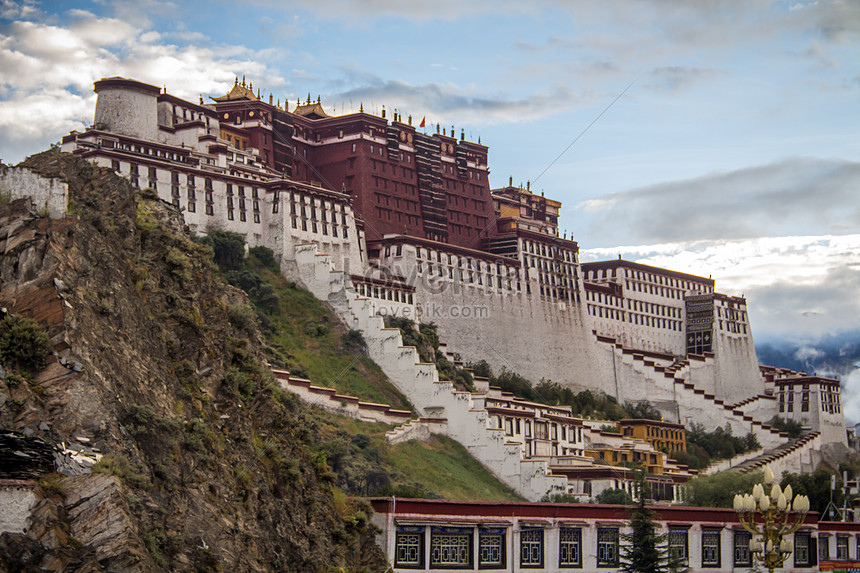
(665, 436)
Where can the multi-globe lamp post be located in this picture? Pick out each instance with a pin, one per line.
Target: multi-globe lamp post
(778, 516)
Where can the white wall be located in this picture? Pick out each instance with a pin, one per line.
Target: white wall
(17, 498)
(49, 195)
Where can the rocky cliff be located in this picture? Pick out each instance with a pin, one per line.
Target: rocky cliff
(157, 372)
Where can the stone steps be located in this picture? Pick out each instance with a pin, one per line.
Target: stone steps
(431, 397)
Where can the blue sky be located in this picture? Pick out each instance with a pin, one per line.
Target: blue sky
(734, 153)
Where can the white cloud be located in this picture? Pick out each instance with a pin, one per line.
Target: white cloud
(445, 103)
(807, 353)
(47, 72)
(10, 10)
(851, 395)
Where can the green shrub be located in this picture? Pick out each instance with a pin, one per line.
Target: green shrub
(118, 465)
(144, 220)
(228, 247)
(642, 410)
(239, 382)
(353, 341)
(180, 265)
(242, 318)
(316, 329)
(23, 343)
(792, 427)
(614, 496)
(264, 257)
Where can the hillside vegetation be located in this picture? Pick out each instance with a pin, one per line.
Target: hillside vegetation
(303, 335)
(215, 465)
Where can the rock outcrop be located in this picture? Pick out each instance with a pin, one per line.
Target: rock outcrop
(205, 465)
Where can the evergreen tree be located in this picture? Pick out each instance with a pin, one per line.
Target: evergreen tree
(645, 550)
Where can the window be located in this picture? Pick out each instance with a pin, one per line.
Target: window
(409, 548)
(803, 549)
(450, 547)
(710, 549)
(531, 547)
(607, 546)
(742, 549)
(823, 547)
(842, 548)
(570, 547)
(491, 549)
(678, 545)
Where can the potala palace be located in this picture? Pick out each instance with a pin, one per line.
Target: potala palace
(378, 218)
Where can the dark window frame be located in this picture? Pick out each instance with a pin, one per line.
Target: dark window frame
(421, 539)
(712, 534)
(527, 559)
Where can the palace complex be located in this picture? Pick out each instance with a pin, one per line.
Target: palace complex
(377, 218)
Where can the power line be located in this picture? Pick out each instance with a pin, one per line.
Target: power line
(586, 128)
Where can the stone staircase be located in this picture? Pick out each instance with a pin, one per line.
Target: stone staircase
(778, 449)
(465, 419)
(787, 457)
(342, 404)
(669, 379)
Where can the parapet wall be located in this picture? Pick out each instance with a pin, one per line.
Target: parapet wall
(487, 313)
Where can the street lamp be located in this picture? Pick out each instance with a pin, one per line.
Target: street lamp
(779, 516)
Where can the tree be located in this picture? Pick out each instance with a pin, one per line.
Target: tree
(642, 410)
(23, 344)
(792, 427)
(228, 248)
(817, 487)
(641, 550)
(644, 550)
(718, 490)
(614, 497)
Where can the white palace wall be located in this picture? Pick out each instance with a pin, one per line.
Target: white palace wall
(527, 333)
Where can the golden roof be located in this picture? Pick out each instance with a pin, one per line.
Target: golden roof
(310, 109)
(239, 91)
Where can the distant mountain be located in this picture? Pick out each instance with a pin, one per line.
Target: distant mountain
(833, 355)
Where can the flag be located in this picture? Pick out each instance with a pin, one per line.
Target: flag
(422, 121)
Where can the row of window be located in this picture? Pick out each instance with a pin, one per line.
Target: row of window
(383, 293)
(733, 327)
(830, 402)
(144, 150)
(455, 548)
(441, 257)
(542, 430)
(633, 318)
(662, 291)
(645, 276)
(552, 252)
(546, 265)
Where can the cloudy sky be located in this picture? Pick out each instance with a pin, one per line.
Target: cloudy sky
(718, 137)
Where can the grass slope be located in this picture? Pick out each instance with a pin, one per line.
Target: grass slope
(305, 337)
(440, 468)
